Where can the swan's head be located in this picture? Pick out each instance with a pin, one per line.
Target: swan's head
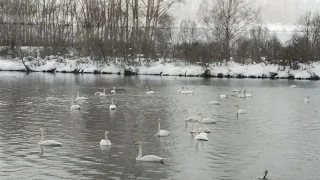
(236, 105)
(158, 120)
(114, 87)
(146, 86)
(265, 173)
(138, 143)
(107, 133)
(199, 114)
(41, 129)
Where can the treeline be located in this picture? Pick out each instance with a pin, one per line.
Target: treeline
(228, 29)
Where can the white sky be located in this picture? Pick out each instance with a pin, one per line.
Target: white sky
(272, 11)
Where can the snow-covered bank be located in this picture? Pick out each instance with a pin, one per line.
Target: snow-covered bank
(165, 68)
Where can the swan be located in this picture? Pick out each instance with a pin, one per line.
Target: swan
(241, 95)
(112, 106)
(114, 90)
(148, 158)
(206, 120)
(214, 103)
(223, 96)
(201, 136)
(51, 143)
(190, 119)
(240, 111)
(189, 91)
(264, 176)
(97, 93)
(307, 100)
(201, 129)
(247, 95)
(182, 89)
(74, 106)
(293, 86)
(162, 133)
(149, 92)
(80, 98)
(105, 141)
(104, 93)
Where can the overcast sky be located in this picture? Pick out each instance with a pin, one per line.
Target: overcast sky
(272, 11)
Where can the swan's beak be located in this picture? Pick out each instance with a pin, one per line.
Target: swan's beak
(107, 133)
(137, 143)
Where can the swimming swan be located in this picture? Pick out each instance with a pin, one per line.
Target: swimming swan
(148, 158)
(190, 119)
(162, 133)
(104, 93)
(307, 100)
(182, 89)
(105, 141)
(293, 86)
(80, 98)
(240, 111)
(74, 106)
(264, 176)
(206, 120)
(214, 103)
(241, 95)
(223, 96)
(112, 106)
(149, 92)
(114, 90)
(51, 143)
(247, 95)
(201, 136)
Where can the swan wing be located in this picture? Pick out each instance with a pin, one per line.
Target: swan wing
(151, 158)
(97, 93)
(194, 119)
(241, 111)
(75, 107)
(103, 142)
(50, 143)
(202, 137)
(208, 121)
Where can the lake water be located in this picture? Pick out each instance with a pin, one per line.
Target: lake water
(279, 132)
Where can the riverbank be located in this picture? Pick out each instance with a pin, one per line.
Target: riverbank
(231, 69)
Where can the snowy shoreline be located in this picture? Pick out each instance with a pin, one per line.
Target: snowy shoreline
(229, 69)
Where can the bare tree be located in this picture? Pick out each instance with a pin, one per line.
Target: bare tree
(227, 21)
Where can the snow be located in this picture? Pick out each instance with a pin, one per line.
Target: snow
(162, 67)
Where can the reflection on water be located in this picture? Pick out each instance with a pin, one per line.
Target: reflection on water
(279, 132)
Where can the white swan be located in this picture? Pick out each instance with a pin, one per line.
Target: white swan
(214, 103)
(264, 176)
(161, 132)
(50, 99)
(97, 93)
(241, 95)
(200, 129)
(223, 96)
(74, 106)
(189, 91)
(247, 95)
(149, 92)
(206, 120)
(105, 141)
(80, 98)
(114, 90)
(240, 111)
(293, 86)
(201, 136)
(51, 143)
(182, 89)
(307, 100)
(112, 106)
(148, 158)
(190, 119)
(103, 93)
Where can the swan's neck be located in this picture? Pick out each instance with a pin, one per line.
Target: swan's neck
(186, 123)
(104, 91)
(158, 128)
(41, 136)
(237, 110)
(187, 115)
(106, 137)
(112, 101)
(202, 126)
(197, 129)
(114, 88)
(147, 89)
(192, 126)
(140, 152)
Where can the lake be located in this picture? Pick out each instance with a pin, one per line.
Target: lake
(280, 132)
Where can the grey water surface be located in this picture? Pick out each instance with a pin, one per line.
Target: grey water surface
(280, 132)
